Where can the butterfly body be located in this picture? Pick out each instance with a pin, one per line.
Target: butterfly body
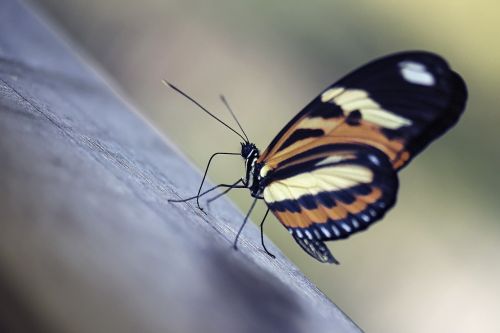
(332, 170)
(252, 180)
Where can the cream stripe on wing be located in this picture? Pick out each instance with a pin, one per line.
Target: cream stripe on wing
(331, 93)
(355, 99)
(332, 178)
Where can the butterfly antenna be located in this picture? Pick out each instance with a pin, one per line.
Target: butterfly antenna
(234, 116)
(201, 107)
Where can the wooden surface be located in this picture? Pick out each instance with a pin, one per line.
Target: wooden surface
(88, 241)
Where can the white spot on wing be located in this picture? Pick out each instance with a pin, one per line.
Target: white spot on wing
(299, 234)
(346, 227)
(335, 231)
(374, 159)
(325, 232)
(417, 73)
(308, 234)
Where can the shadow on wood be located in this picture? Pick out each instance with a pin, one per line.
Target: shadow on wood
(88, 241)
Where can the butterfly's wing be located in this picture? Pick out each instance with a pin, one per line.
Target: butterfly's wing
(332, 170)
(398, 104)
(338, 190)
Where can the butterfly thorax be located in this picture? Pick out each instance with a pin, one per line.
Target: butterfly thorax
(252, 179)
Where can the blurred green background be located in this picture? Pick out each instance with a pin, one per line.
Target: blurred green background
(432, 264)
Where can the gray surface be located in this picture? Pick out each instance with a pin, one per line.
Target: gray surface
(88, 241)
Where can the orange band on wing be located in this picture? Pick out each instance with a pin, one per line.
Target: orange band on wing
(401, 160)
(364, 133)
(323, 214)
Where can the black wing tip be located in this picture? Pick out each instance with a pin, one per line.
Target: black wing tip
(457, 83)
(460, 92)
(416, 53)
(457, 102)
(420, 55)
(326, 257)
(316, 249)
(454, 110)
(332, 260)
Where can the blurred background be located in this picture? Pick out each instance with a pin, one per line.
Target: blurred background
(432, 264)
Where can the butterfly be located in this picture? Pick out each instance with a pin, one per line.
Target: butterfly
(332, 170)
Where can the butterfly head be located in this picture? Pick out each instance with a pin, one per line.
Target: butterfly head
(248, 150)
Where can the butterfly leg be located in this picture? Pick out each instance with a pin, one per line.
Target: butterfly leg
(223, 193)
(230, 186)
(262, 235)
(243, 224)
(205, 175)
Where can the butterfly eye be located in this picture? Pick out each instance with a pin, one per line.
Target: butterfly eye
(244, 150)
(248, 149)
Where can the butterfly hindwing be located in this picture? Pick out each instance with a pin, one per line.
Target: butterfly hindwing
(332, 170)
(339, 191)
(316, 249)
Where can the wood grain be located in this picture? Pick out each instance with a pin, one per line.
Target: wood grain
(88, 241)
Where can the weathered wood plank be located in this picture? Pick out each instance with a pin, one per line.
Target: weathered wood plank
(88, 241)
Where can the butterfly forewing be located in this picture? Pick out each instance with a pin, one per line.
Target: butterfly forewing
(331, 171)
(398, 104)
